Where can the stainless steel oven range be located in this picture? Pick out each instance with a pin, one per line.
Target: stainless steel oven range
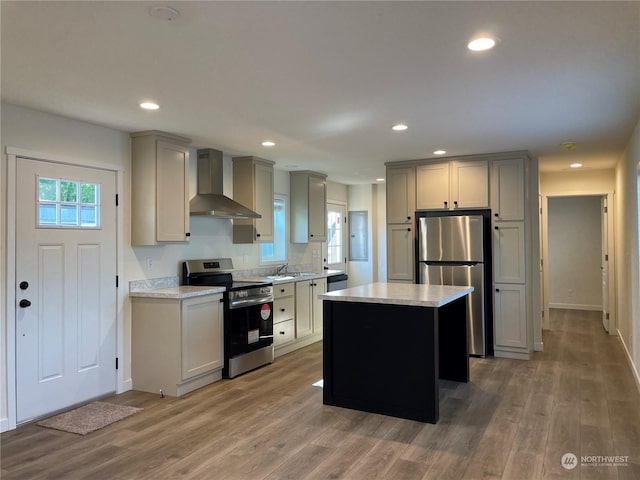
(248, 314)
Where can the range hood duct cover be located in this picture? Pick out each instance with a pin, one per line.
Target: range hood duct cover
(209, 200)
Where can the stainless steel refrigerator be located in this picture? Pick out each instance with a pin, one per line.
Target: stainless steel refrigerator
(453, 249)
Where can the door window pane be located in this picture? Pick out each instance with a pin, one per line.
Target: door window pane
(68, 203)
(335, 224)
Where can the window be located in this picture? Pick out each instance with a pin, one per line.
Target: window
(276, 251)
(68, 203)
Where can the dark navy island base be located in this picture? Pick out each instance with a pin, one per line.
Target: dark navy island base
(387, 359)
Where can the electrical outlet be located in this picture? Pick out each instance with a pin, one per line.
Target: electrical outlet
(149, 264)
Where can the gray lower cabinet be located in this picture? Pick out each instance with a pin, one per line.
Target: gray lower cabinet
(284, 312)
(176, 345)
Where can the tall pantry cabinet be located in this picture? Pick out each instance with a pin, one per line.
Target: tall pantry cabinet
(501, 182)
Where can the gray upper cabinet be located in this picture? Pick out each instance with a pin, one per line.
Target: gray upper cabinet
(159, 188)
(253, 188)
(452, 185)
(401, 195)
(308, 206)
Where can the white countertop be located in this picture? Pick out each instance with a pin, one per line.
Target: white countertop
(399, 294)
(179, 293)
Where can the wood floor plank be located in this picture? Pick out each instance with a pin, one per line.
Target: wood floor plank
(512, 421)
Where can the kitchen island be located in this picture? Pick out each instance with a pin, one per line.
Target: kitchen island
(386, 345)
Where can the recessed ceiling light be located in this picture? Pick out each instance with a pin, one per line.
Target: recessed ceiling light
(481, 44)
(399, 127)
(568, 145)
(379, 179)
(149, 106)
(268, 143)
(162, 12)
(439, 152)
(575, 165)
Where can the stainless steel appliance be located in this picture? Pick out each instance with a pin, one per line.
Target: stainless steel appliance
(248, 314)
(337, 282)
(454, 248)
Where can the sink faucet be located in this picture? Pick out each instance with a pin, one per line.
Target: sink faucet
(281, 268)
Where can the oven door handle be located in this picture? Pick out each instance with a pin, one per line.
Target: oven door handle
(250, 301)
(265, 336)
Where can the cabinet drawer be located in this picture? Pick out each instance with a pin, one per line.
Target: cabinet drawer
(283, 309)
(283, 290)
(283, 332)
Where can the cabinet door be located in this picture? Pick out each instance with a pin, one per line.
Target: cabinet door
(400, 253)
(507, 186)
(317, 209)
(510, 316)
(319, 287)
(470, 184)
(401, 195)
(264, 202)
(172, 192)
(508, 252)
(432, 186)
(304, 320)
(202, 341)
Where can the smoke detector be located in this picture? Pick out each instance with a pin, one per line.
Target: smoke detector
(162, 12)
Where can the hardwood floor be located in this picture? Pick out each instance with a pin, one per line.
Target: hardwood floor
(514, 421)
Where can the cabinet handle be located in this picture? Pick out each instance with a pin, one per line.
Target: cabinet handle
(282, 309)
(221, 300)
(282, 333)
(408, 229)
(446, 204)
(408, 218)
(257, 235)
(497, 290)
(496, 214)
(187, 234)
(282, 290)
(455, 204)
(496, 228)
(311, 235)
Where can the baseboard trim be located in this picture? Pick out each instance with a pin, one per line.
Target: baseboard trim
(634, 370)
(126, 386)
(512, 355)
(572, 306)
(538, 346)
(4, 424)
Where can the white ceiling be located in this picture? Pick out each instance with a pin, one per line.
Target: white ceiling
(327, 80)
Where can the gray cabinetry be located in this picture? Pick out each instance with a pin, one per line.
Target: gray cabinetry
(176, 345)
(159, 188)
(308, 206)
(253, 188)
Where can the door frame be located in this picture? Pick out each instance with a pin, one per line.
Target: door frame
(345, 235)
(12, 155)
(608, 195)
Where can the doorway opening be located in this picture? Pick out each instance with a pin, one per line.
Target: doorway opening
(576, 256)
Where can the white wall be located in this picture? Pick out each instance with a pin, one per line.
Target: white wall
(575, 248)
(62, 137)
(626, 244)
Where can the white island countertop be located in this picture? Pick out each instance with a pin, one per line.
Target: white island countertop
(399, 294)
(179, 292)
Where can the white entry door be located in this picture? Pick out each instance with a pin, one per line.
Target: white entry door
(65, 286)
(336, 257)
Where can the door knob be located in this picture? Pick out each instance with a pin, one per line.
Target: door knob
(24, 303)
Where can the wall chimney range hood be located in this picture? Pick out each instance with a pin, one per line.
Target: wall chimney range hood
(209, 199)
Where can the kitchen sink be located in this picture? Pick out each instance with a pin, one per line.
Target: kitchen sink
(290, 276)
